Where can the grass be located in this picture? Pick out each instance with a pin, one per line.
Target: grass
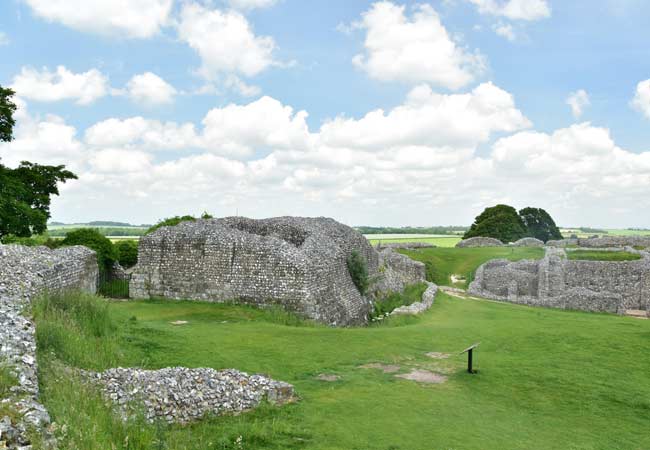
(598, 255)
(548, 379)
(441, 263)
(412, 294)
(438, 241)
(7, 380)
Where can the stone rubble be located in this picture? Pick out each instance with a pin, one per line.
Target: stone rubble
(479, 242)
(428, 297)
(24, 272)
(182, 395)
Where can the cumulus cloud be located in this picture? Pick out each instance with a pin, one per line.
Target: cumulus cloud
(413, 49)
(225, 41)
(515, 9)
(120, 18)
(578, 101)
(46, 86)
(505, 30)
(4, 39)
(251, 4)
(149, 89)
(641, 100)
(427, 160)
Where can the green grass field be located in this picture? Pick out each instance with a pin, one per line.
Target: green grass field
(442, 263)
(547, 379)
(439, 241)
(595, 255)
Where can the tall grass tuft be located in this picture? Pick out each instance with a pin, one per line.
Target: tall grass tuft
(7, 380)
(77, 328)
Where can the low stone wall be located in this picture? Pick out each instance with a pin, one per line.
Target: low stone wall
(24, 273)
(404, 245)
(479, 242)
(528, 242)
(555, 281)
(182, 395)
(603, 242)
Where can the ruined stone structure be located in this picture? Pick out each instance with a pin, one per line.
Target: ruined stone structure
(555, 281)
(25, 272)
(603, 242)
(298, 263)
(479, 242)
(528, 242)
(396, 271)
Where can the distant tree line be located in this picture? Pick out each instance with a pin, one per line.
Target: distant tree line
(503, 222)
(412, 230)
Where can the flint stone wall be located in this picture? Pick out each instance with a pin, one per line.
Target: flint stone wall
(298, 263)
(528, 242)
(555, 281)
(396, 271)
(24, 273)
(603, 242)
(479, 242)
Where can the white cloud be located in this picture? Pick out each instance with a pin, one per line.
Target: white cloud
(150, 89)
(251, 4)
(4, 39)
(46, 86)
(225, 41)
(505, 30)
(641, 100)
(119, 18)
(578, 101)
(120, 161)
(137, 132)
(515, 9)
(415, 49)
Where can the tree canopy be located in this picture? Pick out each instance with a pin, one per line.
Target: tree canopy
(500, 222)
(504, 223)
(25, 192)
(540, 224)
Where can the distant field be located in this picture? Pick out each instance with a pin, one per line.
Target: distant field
(437, 240)
(567, 232)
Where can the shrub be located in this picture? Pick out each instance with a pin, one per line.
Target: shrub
(91, 238)
(170, 222)
(412, 294)
(358, 268)
(34, 241)
(127, 252)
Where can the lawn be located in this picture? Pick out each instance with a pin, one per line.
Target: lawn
(596, 255)
(547, 379)
(438, 241)
(442, 263)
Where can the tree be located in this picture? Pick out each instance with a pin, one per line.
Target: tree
(7, 110)
(540, 224)
(107, 254)
(127, 251)
(25, 192)
(500, 222)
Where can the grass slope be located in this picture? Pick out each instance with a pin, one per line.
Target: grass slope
(596, 255)
(547, 379)
(444, 262)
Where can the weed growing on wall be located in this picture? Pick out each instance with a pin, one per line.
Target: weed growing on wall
(358, 268)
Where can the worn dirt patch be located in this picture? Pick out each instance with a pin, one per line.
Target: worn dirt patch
(328, 377)
(423, 376)
(638, 313)
(386, 368)
(455, 279)
(438, 355)
(180, 322)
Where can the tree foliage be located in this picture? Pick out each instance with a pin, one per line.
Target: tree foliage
(107, 254)
(25, 192)
(358, 268)
(500, 222)
(127, 251)
(540, 224)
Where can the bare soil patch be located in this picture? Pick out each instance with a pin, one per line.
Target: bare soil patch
(423, 376)
(179, 322)
(438, 355)
(328, 377)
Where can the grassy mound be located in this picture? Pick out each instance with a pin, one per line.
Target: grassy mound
(596, 255)
(442, 263)
(547, 379)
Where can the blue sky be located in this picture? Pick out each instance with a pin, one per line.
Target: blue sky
(590, 168)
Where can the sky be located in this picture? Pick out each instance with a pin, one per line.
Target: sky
(388, 113)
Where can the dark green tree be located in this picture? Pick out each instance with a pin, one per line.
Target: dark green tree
(501, 222)
(540, 224)
(25, 192)
(127, 251)
(107, 254)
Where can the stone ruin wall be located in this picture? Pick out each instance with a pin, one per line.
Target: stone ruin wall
(555, 281)
(299, 263)
(24, 273)
(603, 242)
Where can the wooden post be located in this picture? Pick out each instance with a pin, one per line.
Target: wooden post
(470, 354)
